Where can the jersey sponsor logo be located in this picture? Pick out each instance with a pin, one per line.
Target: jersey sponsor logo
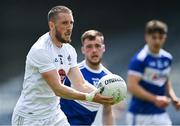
(155, 76)
(62, 74)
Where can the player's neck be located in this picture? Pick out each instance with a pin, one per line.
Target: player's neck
(154, 51)
(55, 41)
(93, 66)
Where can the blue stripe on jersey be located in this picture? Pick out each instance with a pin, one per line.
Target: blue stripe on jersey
(76, 113)
(155, 71)
(92, 78)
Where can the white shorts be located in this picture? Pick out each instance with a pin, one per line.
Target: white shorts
(147, 120)
(55, 120)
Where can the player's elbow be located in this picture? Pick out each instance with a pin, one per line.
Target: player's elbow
(59, 94)
(56, 92)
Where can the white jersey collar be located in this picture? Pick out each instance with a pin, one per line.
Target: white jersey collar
(151, 53)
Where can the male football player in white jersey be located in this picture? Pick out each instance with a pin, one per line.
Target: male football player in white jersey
(48, 61)
(84, 113)
(148, 79)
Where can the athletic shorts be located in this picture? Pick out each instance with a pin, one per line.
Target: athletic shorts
(162, 119)
(56, 120)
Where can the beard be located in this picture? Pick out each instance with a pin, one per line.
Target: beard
(60, 38)
(94, 63)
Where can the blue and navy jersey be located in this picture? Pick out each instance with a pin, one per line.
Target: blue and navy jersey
(82, 112)
(154, 70)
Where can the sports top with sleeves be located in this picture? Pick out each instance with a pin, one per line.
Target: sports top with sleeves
(82, 112)
(37, 99)
(154, 71)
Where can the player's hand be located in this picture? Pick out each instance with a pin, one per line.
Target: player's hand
(176, 104)
(162, 101)
(95, 96)
(105, 100)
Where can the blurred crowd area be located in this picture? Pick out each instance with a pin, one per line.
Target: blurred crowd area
(122, 24)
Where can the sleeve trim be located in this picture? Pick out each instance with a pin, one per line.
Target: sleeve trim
(47, 69)
(132, 72)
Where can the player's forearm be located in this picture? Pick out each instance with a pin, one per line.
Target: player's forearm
(69, 93)
(139, 92)
(54, 81)
(86, 87)
(66, 92)
(83, 86)
(78, 82)
(171, 92)
(107, 115)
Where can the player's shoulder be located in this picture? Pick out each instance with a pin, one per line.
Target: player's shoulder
(41, 45)
(68, 46)
(166, 54)
(141, 54)
(82, 64)
(107, 71)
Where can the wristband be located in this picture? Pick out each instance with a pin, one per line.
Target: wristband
(90, 96)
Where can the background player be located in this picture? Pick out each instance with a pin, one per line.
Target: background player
(148, 79)
(79, 112)
(47, 61)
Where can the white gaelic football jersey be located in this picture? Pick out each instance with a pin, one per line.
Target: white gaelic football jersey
(37, 98)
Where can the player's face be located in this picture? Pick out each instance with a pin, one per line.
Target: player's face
(63, 27)
(93, 50)
(155, 41)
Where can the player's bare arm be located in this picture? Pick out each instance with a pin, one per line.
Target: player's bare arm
(138, 91)
(54, 81)
(80, 84)
(175, 100)
(61, 90)
(107, 115)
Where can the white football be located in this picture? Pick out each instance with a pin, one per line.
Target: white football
(114, 86)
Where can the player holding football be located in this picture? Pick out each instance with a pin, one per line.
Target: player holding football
(48, 61)
(148, 79)
(79, 112)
